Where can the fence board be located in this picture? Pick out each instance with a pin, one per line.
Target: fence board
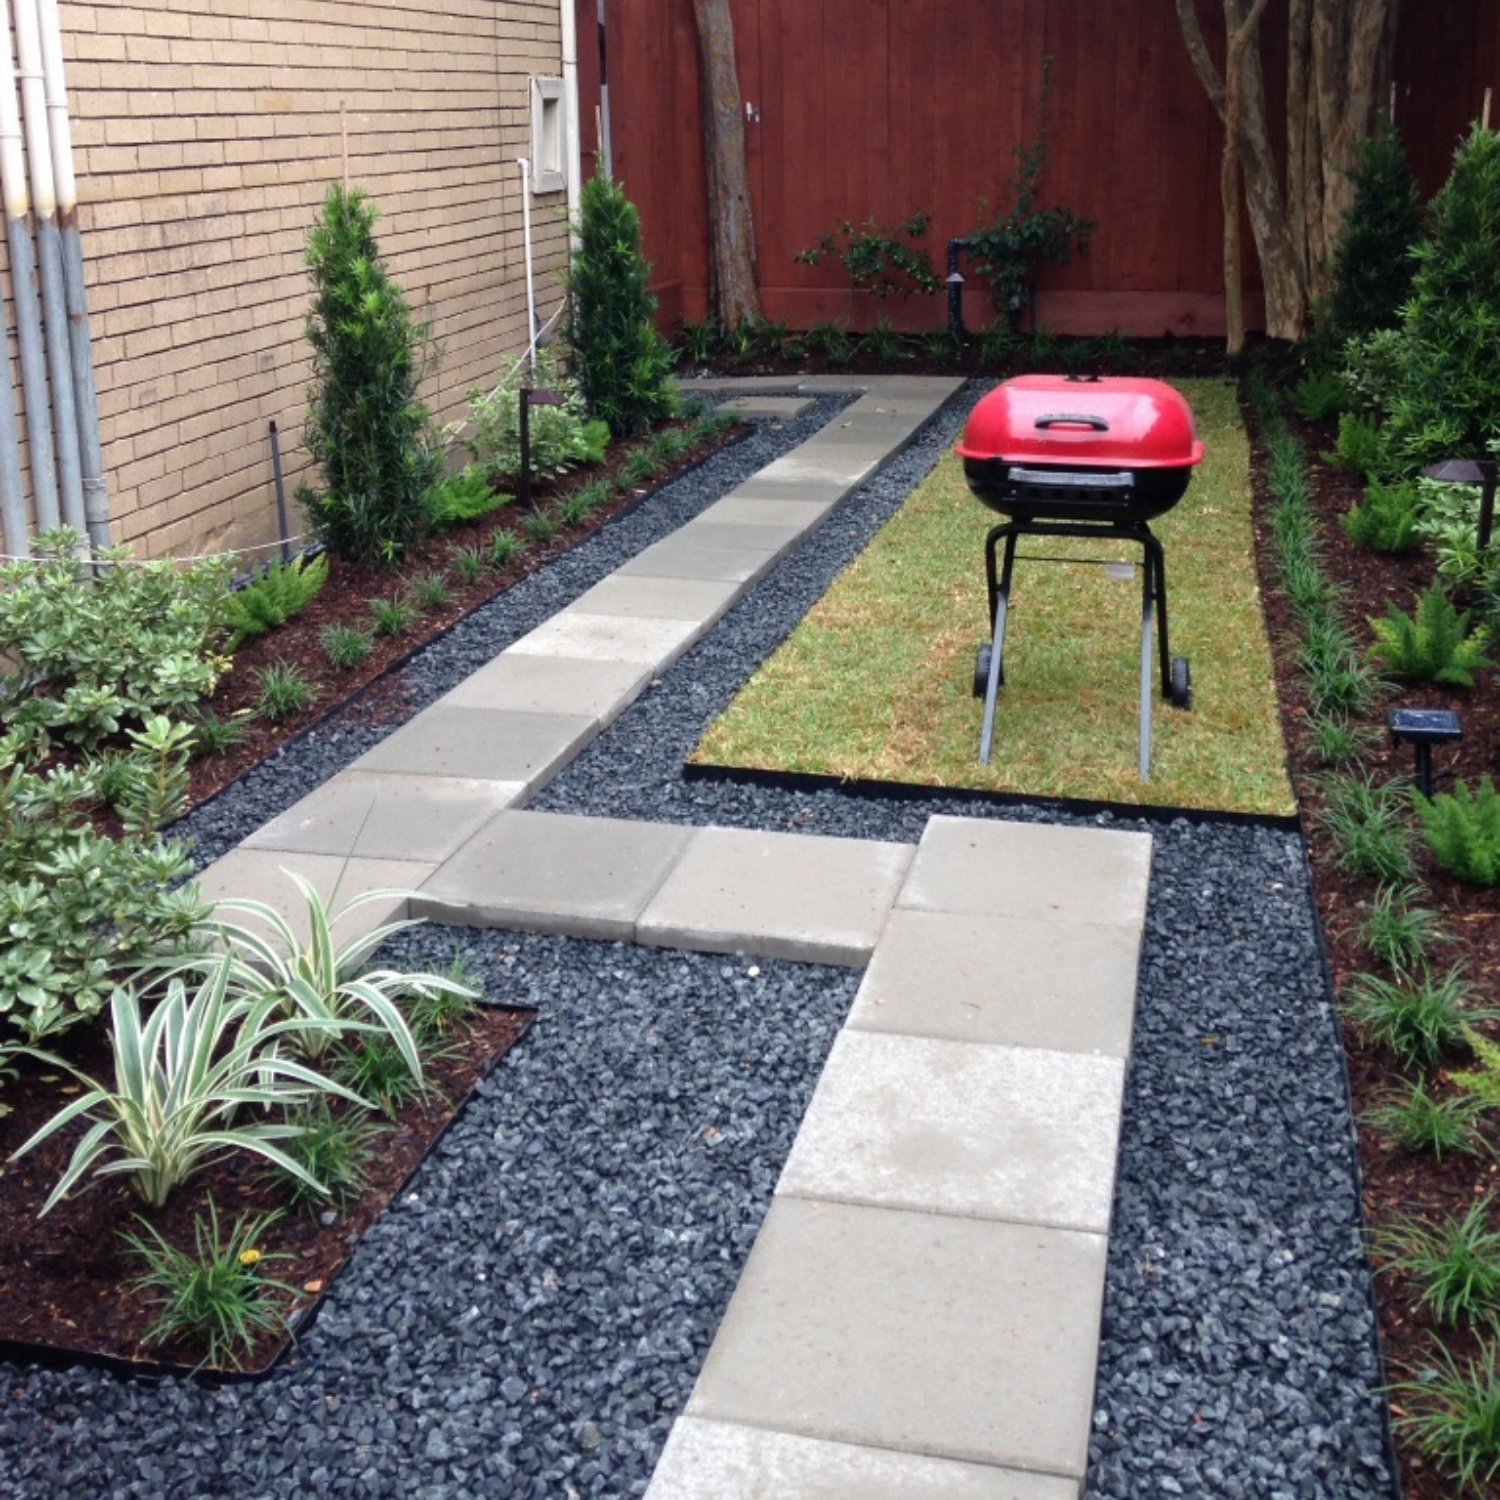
(880, 107)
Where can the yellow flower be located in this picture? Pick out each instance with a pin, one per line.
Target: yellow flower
(249, 1257)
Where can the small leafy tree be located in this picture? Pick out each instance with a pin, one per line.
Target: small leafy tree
(623, 365)
(365, 429)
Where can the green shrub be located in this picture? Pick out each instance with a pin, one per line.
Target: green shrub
(1448, 399)
(1483, 1080)
(393, 616)
(1318, 395)
(1387, 521)
(1373, 370)
(559, 438)
(882, 259)
(1432, 646)
(1448, 518)
(1463, 831)
(76, 905)
(346, 646)
(1372, 267)
(366, 428)
(1364, 447)
(623, 364)
(461, 497)
(271, 598)
(91, 656)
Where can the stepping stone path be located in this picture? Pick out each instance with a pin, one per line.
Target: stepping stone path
(920, 1313)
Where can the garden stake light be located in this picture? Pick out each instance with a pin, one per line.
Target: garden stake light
(530, 398)
(1480, 471)
(1423, 728)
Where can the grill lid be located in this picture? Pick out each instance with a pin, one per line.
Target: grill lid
(1094, 422)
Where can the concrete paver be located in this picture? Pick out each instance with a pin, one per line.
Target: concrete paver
(958, 1338)
(647, 641)
(768, 408)
(522, 682)
(263, 875)
(1024, 982)
(1010, 1133)
(1032, 870)
(724, 1461)
(483, 744)
(699, 599)
(816, 899)
(554, 872)
(752, 510)
(381, 815)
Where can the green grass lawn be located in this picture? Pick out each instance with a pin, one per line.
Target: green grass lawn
(877, 681)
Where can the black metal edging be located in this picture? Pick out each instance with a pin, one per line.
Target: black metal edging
(913, 791)
(1362, 1224)
(303, 1315)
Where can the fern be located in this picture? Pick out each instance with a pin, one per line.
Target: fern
(1387, 521)
(1463, 831)
(1363, 447)
(283, 590)
(461, 497)
(1484, 1082)
(1319, 394)
(1435, 646)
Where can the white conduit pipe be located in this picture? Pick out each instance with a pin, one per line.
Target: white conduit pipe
(49, 260)
(23, 285)
(568, 10)
(80, 346)
(525, 167)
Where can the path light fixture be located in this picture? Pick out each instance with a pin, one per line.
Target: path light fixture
(1480, 471)
(1423, 728)
(530, 398)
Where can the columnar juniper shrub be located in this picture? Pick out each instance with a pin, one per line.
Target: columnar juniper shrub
(623, 364)
(366, 428)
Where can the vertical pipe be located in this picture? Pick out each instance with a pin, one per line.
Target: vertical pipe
(34, 395)
(80, 347)
(12, 495)
(525, 167)
(49, 263)
(569, 17)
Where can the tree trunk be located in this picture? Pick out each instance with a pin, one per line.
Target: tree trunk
(731, 224)
(1338, 69)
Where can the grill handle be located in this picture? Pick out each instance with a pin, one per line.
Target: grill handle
(1072, 419)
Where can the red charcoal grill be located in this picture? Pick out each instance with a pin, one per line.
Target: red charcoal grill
(1080, 456)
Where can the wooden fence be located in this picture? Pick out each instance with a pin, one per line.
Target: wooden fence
(860, 108)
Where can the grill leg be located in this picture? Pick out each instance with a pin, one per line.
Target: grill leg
(1148, 592)
(1156, 573)
(997, 651)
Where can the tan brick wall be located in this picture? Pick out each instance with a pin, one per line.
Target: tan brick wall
(206, 133)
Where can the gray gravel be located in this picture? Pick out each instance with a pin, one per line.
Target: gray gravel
(529, 1318)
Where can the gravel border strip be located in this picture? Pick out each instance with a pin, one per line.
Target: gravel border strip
(530, 1318)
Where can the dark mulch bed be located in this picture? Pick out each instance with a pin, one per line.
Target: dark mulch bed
(68, 1277)
(1395, 1182)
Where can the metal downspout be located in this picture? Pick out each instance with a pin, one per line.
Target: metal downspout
(75, 295)
(23, 283)
(569, 18)
(49, 261)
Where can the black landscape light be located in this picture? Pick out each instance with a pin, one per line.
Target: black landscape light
(1480, 471)
(530, 398)
(1424, 728)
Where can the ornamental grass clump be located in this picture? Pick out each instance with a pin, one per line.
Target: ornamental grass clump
(1454, 1262)
(1417, 1121)
(366, 429)
(1452, 1414)
(220, 1298)
(1418, 1019)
